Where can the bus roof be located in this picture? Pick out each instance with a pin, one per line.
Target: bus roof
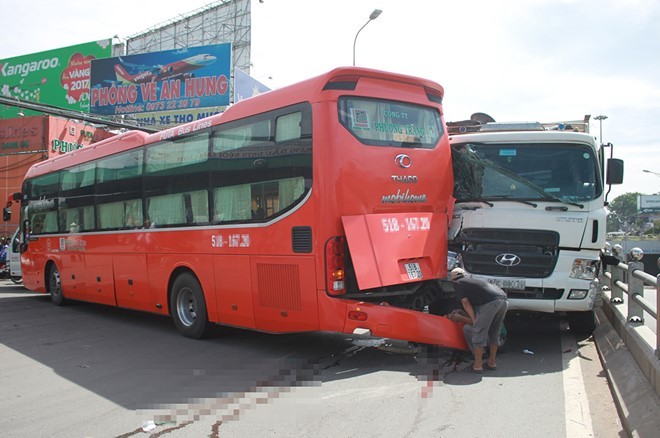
(302, 91)
(112, 145)
(337, 80)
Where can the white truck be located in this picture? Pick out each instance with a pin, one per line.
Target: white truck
(530, 211)
(14, 259)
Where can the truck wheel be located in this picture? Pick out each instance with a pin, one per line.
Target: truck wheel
(55, 286)
(582, 323)
(188, 307)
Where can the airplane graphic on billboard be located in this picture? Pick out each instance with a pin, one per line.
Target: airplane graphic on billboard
(127, 73)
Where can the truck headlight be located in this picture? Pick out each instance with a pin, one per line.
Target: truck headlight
(584, 269)
(578, 294)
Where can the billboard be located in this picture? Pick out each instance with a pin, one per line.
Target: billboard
(58, 77)
(648, 202)
(246, 86)
(171, 80)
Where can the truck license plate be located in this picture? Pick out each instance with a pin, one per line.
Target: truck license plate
(413, 270)
(508, 284)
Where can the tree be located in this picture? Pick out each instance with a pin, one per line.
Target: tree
(623, 212)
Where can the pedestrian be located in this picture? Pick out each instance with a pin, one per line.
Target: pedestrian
(485, 305)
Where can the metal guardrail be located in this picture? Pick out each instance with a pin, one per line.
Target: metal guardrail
(619, 278)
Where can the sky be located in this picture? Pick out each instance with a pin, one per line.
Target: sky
(516, 60)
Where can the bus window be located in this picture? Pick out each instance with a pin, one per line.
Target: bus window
(76, 198)
(273, 171)
(289, 127)
(379, 122)
(176, 182)
(179, 208)
(42, 204)
(112, 214)
(232, 203)
(119, 190)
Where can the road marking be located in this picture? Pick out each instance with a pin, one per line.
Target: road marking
(576, 404)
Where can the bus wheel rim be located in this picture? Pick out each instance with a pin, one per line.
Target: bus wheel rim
(55, 288)
(186, 306)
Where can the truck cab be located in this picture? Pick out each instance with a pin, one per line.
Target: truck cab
(530, 212)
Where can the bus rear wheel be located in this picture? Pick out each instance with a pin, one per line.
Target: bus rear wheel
(188, 307)
(55, 286)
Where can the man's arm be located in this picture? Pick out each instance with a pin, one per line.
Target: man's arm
(467, 305)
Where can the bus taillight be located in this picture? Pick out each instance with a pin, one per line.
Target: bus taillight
(335, 250)
(357, 315)
(434, 95)
(342, 82)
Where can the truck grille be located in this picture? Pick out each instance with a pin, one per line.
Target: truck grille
(522, 253)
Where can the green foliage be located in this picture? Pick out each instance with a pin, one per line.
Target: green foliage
(623, 212)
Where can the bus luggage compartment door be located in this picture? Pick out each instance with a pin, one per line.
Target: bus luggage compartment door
(395, 248)
(284, 291)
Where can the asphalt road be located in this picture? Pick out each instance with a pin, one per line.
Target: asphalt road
(86, 370)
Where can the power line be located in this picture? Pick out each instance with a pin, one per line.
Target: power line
(57, 111)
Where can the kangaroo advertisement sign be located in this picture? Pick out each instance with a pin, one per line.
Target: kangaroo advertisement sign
(58, 77)
(171, 80)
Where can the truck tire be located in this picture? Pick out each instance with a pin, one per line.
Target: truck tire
(582, 323)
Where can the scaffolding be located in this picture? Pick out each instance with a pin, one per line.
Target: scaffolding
(225, 21)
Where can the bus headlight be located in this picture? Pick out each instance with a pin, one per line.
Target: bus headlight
(584, 269)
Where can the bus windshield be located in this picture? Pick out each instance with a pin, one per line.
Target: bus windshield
(561, 172)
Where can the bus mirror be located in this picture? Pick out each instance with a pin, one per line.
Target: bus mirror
(16, 196)
(614, 171)
(6, 214)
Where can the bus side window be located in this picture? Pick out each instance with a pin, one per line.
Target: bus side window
(37, 225)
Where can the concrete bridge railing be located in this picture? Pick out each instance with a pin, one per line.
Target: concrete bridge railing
(628, 310)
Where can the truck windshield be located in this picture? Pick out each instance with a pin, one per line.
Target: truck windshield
(525, 172)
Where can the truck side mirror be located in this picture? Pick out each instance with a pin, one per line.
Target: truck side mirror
(6, 214)
(614, 171)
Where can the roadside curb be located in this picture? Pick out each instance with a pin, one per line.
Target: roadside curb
(636, 399)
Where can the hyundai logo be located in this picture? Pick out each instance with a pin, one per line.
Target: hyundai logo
(403, 161)
(507, 259)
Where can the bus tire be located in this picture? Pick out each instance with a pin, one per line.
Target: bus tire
(188, 307)
(581, 323)
(55, 286)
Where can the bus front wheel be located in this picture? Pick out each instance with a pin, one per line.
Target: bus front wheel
(55, 286)
(188, 307)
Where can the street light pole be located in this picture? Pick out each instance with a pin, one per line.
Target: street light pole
(600, 119)
(373, 16)
(650, 171)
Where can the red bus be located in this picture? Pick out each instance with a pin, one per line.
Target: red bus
(321, 206)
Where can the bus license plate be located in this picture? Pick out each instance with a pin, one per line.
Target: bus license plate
(413, 270)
